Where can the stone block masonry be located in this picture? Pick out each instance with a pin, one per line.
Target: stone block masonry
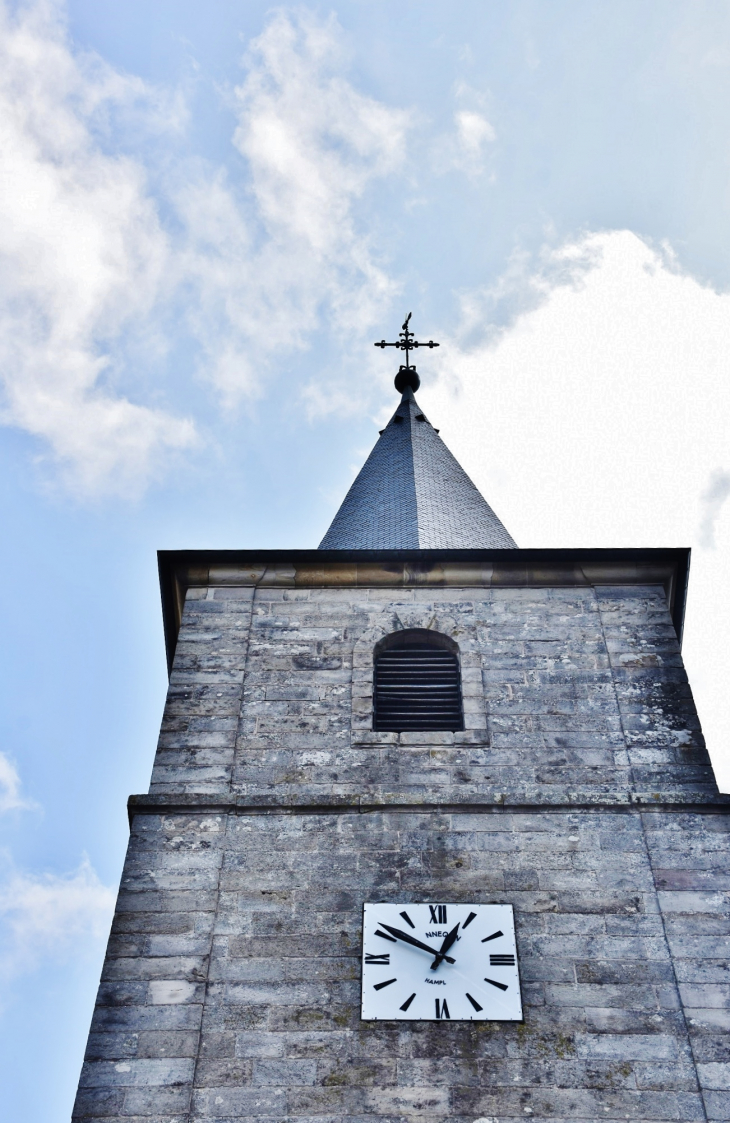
(580, 792)
(231, 985)
(580, 695)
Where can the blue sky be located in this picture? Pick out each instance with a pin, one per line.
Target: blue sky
(207, 216)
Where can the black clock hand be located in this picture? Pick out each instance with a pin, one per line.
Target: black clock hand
(449, 940)
(416, 943)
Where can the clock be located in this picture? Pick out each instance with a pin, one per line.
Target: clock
(441, 962)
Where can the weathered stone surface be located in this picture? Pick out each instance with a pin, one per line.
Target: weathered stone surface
(580, 793)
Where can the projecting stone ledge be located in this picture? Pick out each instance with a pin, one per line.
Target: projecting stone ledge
(427, 801)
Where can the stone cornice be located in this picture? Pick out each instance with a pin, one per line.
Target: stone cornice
(183, 569)
(186, 803)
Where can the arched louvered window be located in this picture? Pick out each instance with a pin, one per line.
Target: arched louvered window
(417, 683)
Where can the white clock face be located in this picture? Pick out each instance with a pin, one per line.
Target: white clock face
(440, 962)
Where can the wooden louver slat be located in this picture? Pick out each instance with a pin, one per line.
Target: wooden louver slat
(417, 687)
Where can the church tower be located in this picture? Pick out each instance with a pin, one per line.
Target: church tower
(431, 835)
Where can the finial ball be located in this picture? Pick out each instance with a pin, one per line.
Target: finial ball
(407, 376)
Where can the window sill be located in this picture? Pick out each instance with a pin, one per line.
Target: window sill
(462, 737)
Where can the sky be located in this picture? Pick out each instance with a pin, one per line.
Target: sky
(208, 214)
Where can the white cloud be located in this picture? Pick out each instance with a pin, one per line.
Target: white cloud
(50, 916)
(91, 280)
(473, 132)
(465, 149)
(10, 797)
(82, 257)
(595, 412)
(313, 147)
(45, 916)
(313, 142)
(713, 499)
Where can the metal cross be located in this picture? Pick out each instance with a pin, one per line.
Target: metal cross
(407, 343)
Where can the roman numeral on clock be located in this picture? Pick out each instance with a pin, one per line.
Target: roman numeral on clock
(382, 959)
(442, 1010)
(438, 914)
(501, 961)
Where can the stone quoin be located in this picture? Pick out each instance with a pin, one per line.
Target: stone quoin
(577, 791)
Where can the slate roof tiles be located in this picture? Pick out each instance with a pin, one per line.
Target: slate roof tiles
(412, 494)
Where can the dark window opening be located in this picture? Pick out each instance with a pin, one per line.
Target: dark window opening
(417, 683)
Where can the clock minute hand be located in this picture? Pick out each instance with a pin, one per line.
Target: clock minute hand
(448, 941)
(416, 943)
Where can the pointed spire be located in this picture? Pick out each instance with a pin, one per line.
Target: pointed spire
(412, 494)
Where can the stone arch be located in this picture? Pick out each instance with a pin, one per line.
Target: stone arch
(417, 684)
(398, 635)
(472, 686)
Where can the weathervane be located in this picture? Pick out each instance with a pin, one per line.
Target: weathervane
(407, 375)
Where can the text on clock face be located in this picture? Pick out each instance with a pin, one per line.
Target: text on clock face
(468, 952)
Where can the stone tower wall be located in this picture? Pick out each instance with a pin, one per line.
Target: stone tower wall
(580, 792)
(569, 693)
